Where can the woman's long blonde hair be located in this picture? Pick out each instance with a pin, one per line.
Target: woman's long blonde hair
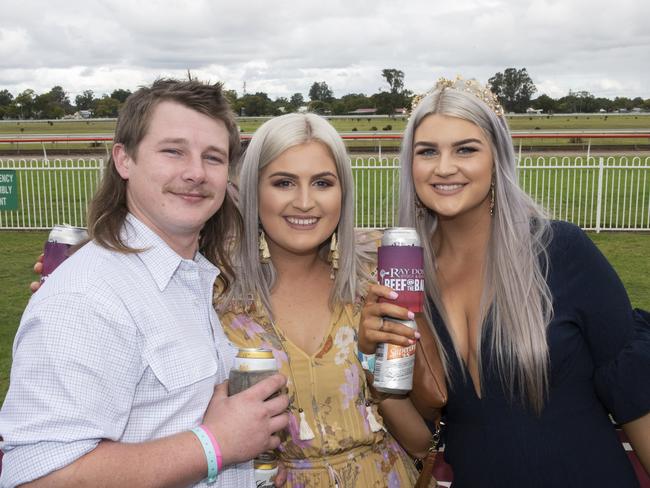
(516, 297)
(256, 279)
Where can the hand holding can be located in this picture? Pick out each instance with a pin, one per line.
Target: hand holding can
(400, 267)
(57, 247)
(251, 366)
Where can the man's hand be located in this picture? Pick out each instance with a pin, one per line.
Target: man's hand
(246, 424)
(38, 269)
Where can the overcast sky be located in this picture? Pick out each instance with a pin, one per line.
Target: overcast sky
(282, 47)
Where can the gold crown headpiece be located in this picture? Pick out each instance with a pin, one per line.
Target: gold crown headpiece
(472, 86)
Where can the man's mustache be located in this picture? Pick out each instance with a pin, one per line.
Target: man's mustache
(195, 190)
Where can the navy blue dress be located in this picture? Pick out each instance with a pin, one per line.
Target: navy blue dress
(600, 364)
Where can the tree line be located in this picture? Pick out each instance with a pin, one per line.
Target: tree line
(514, 87)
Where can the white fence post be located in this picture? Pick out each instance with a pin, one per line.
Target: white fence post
(599, 198)
(606, 193)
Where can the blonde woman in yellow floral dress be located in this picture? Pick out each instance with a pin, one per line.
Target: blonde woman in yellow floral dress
(297, 292)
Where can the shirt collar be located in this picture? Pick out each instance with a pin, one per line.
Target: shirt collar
(160, 259)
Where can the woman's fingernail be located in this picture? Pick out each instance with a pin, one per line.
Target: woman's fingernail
(392, 295)
(411, 341)
(417, 334)
(411, 315)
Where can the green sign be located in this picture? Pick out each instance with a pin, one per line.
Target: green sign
(8, 190)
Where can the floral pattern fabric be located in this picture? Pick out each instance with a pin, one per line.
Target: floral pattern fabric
(331, 388)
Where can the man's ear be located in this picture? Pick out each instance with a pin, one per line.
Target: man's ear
(122, 160)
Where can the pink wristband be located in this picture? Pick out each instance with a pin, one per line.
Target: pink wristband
(215, 445)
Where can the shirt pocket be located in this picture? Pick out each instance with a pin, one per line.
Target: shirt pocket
(181, 362)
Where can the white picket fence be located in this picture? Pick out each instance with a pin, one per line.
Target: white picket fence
(596, 193)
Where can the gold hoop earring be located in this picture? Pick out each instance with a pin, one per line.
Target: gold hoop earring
(492, 197)
(265, 254)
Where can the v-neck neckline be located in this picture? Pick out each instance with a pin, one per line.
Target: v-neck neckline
(464, 368)
(334, 316)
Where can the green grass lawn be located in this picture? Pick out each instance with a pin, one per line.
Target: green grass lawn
(250, 124)
(628, 253)
(381, 124)
(18, 251)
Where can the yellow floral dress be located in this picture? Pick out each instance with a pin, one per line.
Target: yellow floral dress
(330, 387)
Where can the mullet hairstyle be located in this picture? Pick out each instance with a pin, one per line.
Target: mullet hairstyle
(256, 279)
(108, 208)
(516, 297)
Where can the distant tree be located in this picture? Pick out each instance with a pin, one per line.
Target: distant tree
(319, 107)
(55, 103)
(604, 104)
(85, 101)
(354, 101)
(281, 105)
(586, 102)
(321, 92)
(6, 98)
(46, 106)
(296, 101)
(384, 103)
(637, 102)
(513, 87)
(106, 107)
(24, 104)
(255, 105)
(337, 107)
(545, 103)
(395, 79)
(59, 95)
(622, 103)
(120, 94)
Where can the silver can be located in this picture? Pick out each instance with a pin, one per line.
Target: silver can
(57, 247)
(394, 365)
(251, 366)
(400, 266)
(400, 236)
(266, 468)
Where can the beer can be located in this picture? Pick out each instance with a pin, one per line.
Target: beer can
(58, 244)
(400, 266)
(251, 366)
(266, 467)
(394, 365)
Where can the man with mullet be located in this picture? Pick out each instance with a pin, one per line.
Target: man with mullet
(117, 356)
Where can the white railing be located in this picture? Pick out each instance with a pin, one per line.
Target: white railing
(596, 193)
(51, 191)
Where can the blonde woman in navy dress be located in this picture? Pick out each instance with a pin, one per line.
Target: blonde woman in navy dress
(538, 336)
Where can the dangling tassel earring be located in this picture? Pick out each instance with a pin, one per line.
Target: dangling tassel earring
(306, 434)
(265, 254)
(419, 208)
(333, 256)
(492, 198)
(372, 420)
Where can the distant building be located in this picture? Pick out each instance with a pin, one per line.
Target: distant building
(363, 111)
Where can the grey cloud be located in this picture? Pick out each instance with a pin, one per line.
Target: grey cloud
(282, 47)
